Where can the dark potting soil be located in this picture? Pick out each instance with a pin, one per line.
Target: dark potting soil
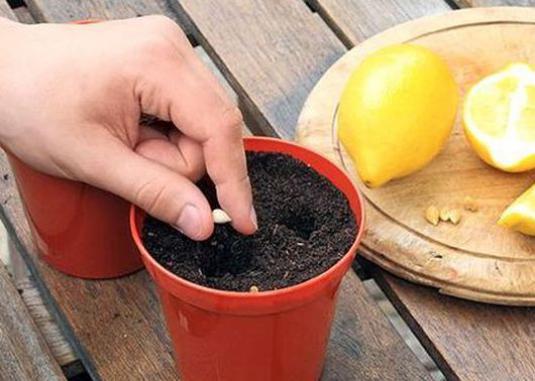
(305, 227)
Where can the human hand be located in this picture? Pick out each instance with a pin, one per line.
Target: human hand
(70, 103)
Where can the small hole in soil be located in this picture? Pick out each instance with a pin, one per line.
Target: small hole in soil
(225, 255)
(299, 219)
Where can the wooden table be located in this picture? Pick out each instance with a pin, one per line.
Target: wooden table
(271, 52)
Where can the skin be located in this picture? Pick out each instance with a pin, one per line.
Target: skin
(70, 104)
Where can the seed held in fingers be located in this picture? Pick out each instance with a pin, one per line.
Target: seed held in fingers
(220, 216)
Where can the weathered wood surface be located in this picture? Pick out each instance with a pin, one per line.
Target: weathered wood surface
(355, 20)
(23, 15)
(271, 52)
(24, 354)
(67, 10)
(362, 341)
(5, 11)
(469, 341)
(495, 3)
(47, 325)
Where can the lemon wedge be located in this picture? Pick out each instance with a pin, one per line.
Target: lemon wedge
(520, 215)
(499, 118)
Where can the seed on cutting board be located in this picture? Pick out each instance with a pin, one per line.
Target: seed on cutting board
(454, 216)
(470, 204)
(444, 214)
(220, 216)
(432, 215)
(254, 289)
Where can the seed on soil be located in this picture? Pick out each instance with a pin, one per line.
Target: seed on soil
(220, 216)
(432, 215)
(454, 216)
(470, 204)
(254, 289)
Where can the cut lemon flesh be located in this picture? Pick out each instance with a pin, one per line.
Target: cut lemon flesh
(520, 215)
(499, 118)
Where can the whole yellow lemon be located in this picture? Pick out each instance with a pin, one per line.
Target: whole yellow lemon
(396, 112)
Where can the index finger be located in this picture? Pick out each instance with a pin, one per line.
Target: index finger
(184, 91)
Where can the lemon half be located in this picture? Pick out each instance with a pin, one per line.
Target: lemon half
(499, 118)
(520, 215)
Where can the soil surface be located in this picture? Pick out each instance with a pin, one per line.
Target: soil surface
(305, 227)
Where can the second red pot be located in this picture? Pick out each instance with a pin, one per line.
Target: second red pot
(78, 229)
(276, 335)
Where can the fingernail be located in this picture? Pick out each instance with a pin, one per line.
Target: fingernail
(189, 221)
(253, 217)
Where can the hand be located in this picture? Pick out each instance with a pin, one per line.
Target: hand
(71, 97)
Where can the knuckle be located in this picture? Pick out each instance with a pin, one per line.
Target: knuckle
(163, 24)
(150, 196)
(195, 171)
(232, 121)
(156, 45)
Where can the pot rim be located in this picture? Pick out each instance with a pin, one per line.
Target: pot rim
(244, 295)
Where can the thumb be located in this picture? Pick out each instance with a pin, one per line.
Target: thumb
(158, 190)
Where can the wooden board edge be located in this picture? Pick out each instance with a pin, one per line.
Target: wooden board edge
(506, 299)
(506, 294)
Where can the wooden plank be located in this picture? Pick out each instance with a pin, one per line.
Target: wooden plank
(470, 341)
(66, 10)
(363, 341)
(271, 52)
(495, 3)
(47, 325)
(23, 15)
(5, 10)
(24, 354)
(355, 20)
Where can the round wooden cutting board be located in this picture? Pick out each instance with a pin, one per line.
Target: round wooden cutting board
(476, 259)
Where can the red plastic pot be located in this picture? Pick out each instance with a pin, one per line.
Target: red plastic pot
(276, 335)
(78, 229)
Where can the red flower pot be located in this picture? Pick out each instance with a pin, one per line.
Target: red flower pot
(78, 229)
(276, 335)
